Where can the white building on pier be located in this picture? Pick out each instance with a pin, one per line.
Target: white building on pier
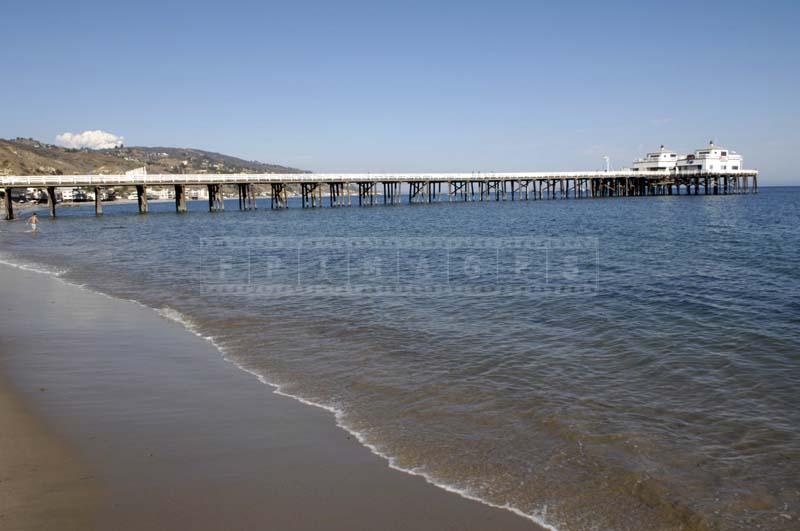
(710, 158)
(661, 160)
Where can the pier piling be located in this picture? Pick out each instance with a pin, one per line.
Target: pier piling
(247, 198)
(141, 198)
(98, 202)
(279, 196)
(9, 206)
(180, 199)
(216, 200)
(51, 200)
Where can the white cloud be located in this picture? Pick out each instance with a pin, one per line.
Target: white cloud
(89, 139)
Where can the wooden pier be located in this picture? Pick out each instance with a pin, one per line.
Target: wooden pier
(389, 188)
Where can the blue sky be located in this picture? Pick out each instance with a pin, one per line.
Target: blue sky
(412, 86)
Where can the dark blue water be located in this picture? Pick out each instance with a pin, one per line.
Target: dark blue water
(645, 374)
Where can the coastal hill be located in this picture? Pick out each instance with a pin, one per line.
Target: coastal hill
(26, 156)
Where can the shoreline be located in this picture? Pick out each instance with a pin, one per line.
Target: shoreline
(330, 472)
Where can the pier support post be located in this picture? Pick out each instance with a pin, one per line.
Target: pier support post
(216, 201)
(280, 197)
(180, 199)
(9, 206)
(246, 197)
(51, 200)
(141, 198)
(98, 202)
(219, 199)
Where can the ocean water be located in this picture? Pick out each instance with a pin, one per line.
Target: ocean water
(632, 363)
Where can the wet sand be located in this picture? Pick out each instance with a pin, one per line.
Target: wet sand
(142, 425)
(42, 483)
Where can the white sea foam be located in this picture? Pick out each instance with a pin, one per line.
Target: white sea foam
(539, 517)
(35, 268)
(174, 315)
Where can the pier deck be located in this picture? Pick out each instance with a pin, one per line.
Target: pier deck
(343, 189)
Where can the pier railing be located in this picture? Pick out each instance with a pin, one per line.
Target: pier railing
(297, 178)
(342, 188)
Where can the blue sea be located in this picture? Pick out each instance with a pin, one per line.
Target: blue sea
(621, 363)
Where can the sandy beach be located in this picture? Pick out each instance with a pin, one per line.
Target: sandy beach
(117, 418)
(43, 484)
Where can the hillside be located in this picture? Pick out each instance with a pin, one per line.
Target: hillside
(26, 156)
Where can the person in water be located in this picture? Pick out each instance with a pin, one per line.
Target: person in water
(33, 220)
